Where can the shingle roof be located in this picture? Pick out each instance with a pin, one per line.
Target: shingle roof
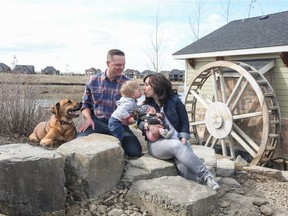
(263, 31)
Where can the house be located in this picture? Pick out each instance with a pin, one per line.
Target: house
(132, 73)
(261, 43)
(176, 75)
(4, 68)
(166, 74)
(24, 69)
(145, 73)
(50, 70)
(91, 71)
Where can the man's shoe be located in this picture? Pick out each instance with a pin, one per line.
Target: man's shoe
(212, 183)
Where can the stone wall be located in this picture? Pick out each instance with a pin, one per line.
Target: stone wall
(35, 181)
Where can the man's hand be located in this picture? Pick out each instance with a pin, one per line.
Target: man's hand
(88, 120)
(86, 124)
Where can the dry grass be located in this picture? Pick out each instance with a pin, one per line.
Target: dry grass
(51, 92)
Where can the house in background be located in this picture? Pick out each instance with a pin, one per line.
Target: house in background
(131, 73)
(91, 71)
(24, 69)
(145, 73)
(4, 68)
(261, 42)
(166, 74)
(50, 70)
(177, 75)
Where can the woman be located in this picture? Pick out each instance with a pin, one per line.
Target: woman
(159, 94)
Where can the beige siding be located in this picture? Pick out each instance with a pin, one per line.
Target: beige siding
(280, 79)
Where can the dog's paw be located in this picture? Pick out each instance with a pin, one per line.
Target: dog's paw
(33, 138)
(46, 142)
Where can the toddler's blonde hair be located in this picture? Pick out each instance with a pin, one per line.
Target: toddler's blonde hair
(128, 88)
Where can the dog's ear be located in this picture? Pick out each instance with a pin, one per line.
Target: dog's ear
(55, 108)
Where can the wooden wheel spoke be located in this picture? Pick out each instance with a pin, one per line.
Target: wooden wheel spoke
(245, 139)
(231, 147)
(223, 145)
(247, 115)
(240, 93)
(200, 99)
(215, 140)
(214, 78)
(235, 89)
(197, 123)
(223, 88)
(208, 140)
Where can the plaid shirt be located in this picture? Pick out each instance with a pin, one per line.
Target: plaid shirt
(101, 94)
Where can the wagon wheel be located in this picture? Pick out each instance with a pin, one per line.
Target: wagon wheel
(233, 107)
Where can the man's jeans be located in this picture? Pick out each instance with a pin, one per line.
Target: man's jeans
(130, 143)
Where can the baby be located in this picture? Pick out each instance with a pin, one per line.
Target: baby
(149, 115)
(126, 107)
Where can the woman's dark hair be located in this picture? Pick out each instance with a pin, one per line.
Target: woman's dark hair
(161, 86)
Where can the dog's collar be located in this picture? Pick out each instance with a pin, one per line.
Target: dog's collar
(64, 122)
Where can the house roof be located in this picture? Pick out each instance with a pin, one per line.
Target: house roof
(246, 35)
(24, 68)
(4, 66)
(49, 69)
(176, 71)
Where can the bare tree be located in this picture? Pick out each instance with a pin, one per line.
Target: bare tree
(194, 20)
(226, 10)
(154, 52)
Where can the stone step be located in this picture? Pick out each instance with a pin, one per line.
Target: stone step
(173, 196)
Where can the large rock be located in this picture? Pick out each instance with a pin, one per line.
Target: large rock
(93, 165)
(173, 195)
(31, 180)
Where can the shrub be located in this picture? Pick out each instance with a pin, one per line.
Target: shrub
(20, 104)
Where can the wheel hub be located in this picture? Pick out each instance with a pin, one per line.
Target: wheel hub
(218, 120)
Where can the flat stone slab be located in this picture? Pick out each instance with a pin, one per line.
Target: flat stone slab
(278, 174)
(31, 180)
(173, 196)
(93, 165)
(148, 167)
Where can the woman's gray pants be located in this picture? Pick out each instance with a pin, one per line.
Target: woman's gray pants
(188, 164)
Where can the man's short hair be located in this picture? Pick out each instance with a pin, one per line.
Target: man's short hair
(113, 52)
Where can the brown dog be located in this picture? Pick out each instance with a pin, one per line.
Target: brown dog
(60, 128)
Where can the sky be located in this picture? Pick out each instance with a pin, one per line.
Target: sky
(74, 35)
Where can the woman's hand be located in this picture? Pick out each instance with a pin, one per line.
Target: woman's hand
(183, 140)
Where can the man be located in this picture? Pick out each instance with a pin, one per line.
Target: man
(99, 101)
